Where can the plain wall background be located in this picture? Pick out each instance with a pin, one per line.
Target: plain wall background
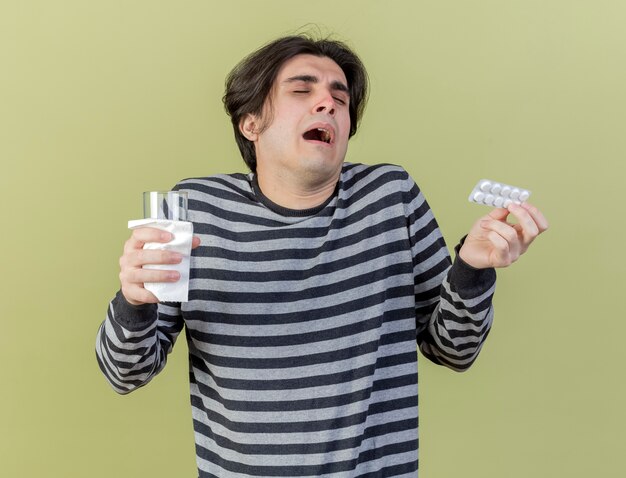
(100, 101)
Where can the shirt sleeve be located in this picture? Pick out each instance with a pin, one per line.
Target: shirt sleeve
(453, 301)
(133, 342)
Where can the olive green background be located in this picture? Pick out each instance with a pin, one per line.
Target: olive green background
(101, 100)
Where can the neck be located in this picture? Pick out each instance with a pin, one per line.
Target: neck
(295, 194)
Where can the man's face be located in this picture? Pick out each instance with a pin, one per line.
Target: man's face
(307, 138)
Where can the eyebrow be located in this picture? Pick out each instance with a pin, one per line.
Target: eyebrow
(335, 85)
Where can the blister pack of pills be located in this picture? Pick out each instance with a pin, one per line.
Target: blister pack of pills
(495, 194)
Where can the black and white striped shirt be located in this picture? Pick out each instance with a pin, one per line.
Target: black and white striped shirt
(302, 326)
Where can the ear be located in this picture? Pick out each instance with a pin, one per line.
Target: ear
(248, 126)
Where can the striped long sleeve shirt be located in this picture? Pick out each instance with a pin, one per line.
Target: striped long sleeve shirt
(303, 326)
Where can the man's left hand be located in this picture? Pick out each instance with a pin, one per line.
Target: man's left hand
(493, 242)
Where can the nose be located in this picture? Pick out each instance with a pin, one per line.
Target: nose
(326, 105)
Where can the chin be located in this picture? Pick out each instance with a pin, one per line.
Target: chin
(320, 170)
(323, 165)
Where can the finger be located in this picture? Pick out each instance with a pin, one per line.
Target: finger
(146, 234)
(137, 295)
(527, 225)
(195, 242)
(498, 214)
(501, 255)
(538, 217)
(507, 233)
(137, 258)
(155, 256)
(504, 229)
(141, 276)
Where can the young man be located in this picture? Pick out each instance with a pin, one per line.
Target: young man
(312, 280)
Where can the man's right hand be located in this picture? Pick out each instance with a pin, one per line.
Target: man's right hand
(132, 274)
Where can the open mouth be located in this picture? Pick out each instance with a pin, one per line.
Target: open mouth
(319, 134)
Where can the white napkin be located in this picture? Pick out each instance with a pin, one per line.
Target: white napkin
(183, 234)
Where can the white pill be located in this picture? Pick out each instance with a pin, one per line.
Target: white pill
(479, 196)
(485, 186)
(493, 193)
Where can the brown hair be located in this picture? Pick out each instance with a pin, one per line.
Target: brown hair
(249, 84)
